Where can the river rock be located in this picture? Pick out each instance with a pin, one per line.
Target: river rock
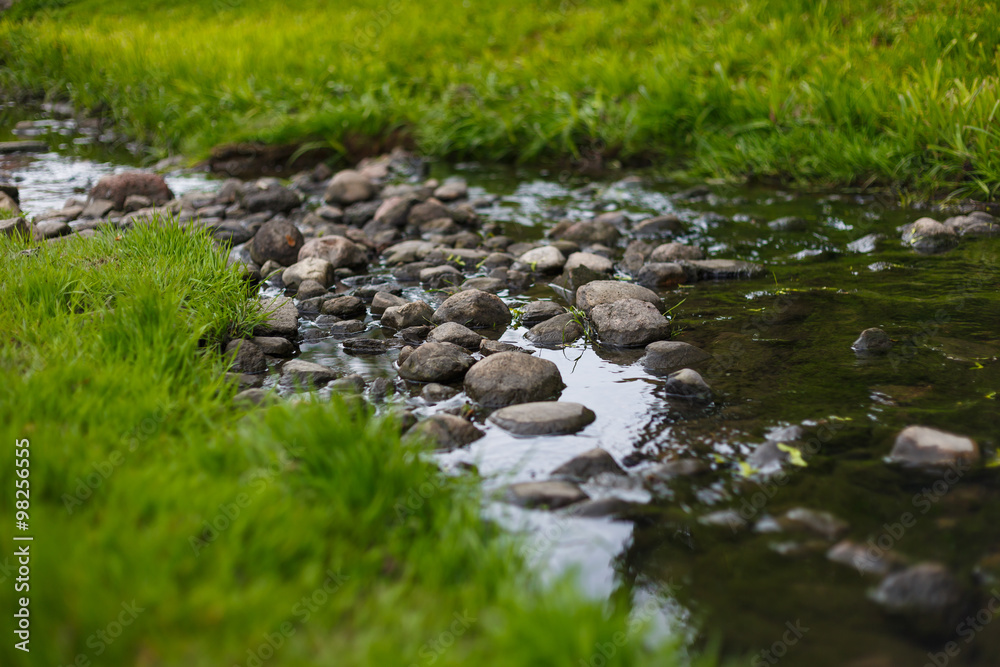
(282, 321)
(412, 314)
(344, 306)
(51, 229)
(339, 251)
(865, 558)
(439, 277)
(546, 259)
(310, 289)
(591, 463)
(14, 226)
(475, 309)
(435, 393)
(383, 300)
(277, 240)
(721, 269)
(589, 260)
(659, 227)
(117, 187)
(8, 207)
(488, 347)
(872, 341)
(543, 418)
(590, 232)
(301, 372)
(661, 275)
(274, 346)
(537, 312)
(927, 235)
(666, 356)
(789, 223)
(559, 330)
(549, 495)
(977, 223)
(629, 323)
(927, 596)
(271, 197)
(923, 446)
(455, 333)
(608, 291)
(97, 208)
(452, 189)
(436, 362)
(311, 268)
(365, 346)
(508, 378)
(687, 383)
(447, 431)
(245, 357)
(673, 251)
(348, 187)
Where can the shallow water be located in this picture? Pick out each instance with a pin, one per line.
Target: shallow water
(783, 358)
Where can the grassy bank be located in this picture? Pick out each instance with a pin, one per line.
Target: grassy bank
(172, 528)
(858, 92)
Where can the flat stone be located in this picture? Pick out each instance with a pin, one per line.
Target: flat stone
(365, 346)
(412, 314)
(687, 383)
(344, 306)
(436, 362)
(790, 223)
(608, 291)
(488, 347)
(548, 495)
(666, 356)
(553, 332)
(591, 463)
(447, 431)
(923, 446)
(629, 323)
(301, 372)
(508, 378)
(543, 418)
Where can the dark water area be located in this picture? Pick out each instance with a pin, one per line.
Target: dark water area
(783, 371)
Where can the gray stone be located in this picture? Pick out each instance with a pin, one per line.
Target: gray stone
(274, 198)
(546, 259)
(789, 223)
(26, 146)
(721, 269)
(427, 211)
(922, 446)
(51, 229)
(348, 187)
(346, 307)
(346, 327)
(927, 596)
(117, 187)
(282, 320)
(927, 235)
(872, 341)
(451, 190)
(559, 330)
(591, 232)
(349, 384)
(439, 277)
(550, 495)
(629, 323)
(384, 300)
(365, 346)
(8, 206)
(661, 275)
(435, 393)
(537, 312)
(310, 289)
(672, 469)
(301, 372)
(670, 252)
(455, 333)
(543, 418)
(824, 524)
(392, 212)
(507, 378)
(97, 208)
(666, 356)
(608, 291)
(659, 227)
(245, 357)
(277, 240)
(447, 431)
(436, 362)
(484, 284)
(250, 397)
(412, 314)
(488, 347)
(687, 383)
(338, 250)
(310, 268)
(863, 558)
(406, 252)
(274, 345)
(589, 260)
(475, 309)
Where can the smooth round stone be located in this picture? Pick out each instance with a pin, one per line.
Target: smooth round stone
(872, 341)
(687, 383)
(666, 356)
(550, 495)
(923, 446)
(543, 418)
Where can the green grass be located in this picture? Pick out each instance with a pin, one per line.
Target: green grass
(110, 365)
(860, 92)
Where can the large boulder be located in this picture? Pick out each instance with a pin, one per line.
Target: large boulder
(277, 240)
(475, 309)
(116, 188)
(629, 323)
(436, 362)
(338, 250)
(608, 291)
(508, 378)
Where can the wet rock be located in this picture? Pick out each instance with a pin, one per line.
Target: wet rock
(311, 269)
(412, 314)
(348, 187)
(339, 251)
(310, 289)
(823, 524)
(659, 227)
(590, 261)
(474, 309)
(346, 327)
(365, 346)
(306, 373)
(977, 223)
(483, 284)
(927, 235)
(360, 213)
(416, 335)
(452, 189)
(447, 431)
(789, 223)
(392, 212)
(673, 469)
(344, 306)
(277, 240)
(11, 191)
(15, 226)
(426, 211)
(246, 380)
(8, 207)
(407, 252)
(872, 341)
(269, 196)
(549, 495)
(274, 346)
(508, 378)
(559, 330)
(687, 383)
(591, 463)
(436, 362)
(608, 291)
(629, 323)
(97, 208)
(455, 333)
(488, 347)
(666, 356)
(543, 418)
(602, 507)
(439, 277)
(771, 456)
(672, 252)
(590, 232)
(384, 300)
(435, 393)
(721, 269)
(865, 558)
(922, 446)
(27, 146)
(349, 384)
(282, 321)
(116, 188)
(661, 275)
(927, 596)
(725, 518)
(546, 259)
(537, 312)
(245, 357)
